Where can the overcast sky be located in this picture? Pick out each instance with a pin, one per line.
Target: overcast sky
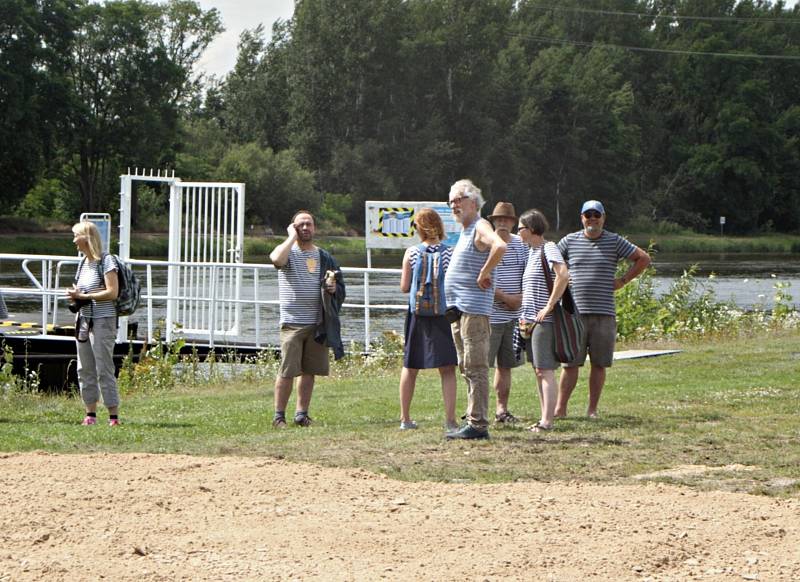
(237, 15)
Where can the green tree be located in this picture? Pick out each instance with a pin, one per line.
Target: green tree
(277, 185)
(35, 36)
(131, 66)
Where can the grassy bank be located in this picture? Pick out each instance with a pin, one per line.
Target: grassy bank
(257, 248)
(703, 243)
(727, 404)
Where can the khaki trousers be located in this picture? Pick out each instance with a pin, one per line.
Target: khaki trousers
(472, 334)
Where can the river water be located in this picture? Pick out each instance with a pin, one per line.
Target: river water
(748, 280)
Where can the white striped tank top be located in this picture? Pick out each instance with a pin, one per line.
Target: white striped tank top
(461, 279)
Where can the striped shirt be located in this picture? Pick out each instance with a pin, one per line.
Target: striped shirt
(461, 282)
(592, 266)
(90, 281)
(535, 293)
(299, 288)
(508, 278)
(413, 255)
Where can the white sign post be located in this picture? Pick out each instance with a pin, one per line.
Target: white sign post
(721, 225)
(391, 225)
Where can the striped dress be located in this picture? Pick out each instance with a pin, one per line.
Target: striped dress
(428, 340)
(461, 280)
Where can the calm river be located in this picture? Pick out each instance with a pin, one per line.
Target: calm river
(747, 280)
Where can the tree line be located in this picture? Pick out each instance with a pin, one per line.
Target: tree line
(673, 112)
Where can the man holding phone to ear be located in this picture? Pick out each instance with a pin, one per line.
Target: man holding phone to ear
(312, 291)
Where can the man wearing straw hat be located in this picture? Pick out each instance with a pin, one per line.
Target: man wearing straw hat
(506, 307)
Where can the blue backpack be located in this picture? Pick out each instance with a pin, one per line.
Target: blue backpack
(426, 297)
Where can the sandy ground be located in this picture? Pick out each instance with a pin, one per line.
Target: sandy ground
(161, 517)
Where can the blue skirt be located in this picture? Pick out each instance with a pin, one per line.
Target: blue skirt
(429, 343)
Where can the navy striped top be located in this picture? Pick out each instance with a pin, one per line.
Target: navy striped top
(508, 277)
(299, 288)
(592, 266)
(535, 293)
(461, 279)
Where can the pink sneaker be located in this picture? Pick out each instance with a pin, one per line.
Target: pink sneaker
(89, 421)
(113, 422)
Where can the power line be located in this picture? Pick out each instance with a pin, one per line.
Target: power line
(737, 19)
(552, 40)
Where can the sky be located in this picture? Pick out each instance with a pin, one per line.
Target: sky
(238, 15)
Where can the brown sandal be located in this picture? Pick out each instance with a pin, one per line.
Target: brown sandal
(539, 427)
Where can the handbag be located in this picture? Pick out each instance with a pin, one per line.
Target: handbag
(567, 322)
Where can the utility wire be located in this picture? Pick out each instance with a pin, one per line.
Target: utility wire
(644, 15)
(553, 40)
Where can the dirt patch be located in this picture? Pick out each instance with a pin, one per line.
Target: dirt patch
(164, 517)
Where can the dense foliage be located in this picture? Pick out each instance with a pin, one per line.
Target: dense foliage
(670, 111)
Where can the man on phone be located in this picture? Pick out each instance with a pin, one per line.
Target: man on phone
(311, 290)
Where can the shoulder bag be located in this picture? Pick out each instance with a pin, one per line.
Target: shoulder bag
(567, 322)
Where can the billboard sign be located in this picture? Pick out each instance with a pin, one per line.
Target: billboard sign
(103, 223)
(390, 225)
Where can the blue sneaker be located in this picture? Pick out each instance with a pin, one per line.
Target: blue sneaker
(468, 432)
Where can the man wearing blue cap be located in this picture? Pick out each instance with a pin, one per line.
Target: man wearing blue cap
(592, 255)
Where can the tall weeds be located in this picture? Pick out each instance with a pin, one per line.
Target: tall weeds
(690, 309)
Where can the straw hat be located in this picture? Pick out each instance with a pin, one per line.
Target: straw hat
(503, 210)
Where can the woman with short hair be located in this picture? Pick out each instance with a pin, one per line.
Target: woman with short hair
(428, 339)
(537, 306)
(93, 294)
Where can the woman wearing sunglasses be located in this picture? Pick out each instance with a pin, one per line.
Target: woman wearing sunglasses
(537, 307)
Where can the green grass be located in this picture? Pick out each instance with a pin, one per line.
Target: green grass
(716, 404)
(257, 248)
(705, 243)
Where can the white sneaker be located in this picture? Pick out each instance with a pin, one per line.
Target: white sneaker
(407, 425)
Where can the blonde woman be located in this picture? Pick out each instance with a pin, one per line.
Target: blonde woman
(428, 339)
(92, 296)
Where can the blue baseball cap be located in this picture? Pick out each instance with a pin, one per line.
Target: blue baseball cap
(593, 205)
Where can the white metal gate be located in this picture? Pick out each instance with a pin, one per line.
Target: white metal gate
(206, 226)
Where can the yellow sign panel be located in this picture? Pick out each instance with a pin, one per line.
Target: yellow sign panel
(395, 222)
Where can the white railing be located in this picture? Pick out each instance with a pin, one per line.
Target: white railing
(259, 291)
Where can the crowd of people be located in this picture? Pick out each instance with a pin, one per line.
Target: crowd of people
(471, 306)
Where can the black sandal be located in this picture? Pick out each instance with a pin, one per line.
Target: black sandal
(302, 419)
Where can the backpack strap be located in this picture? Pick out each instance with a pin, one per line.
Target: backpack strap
(78, 270)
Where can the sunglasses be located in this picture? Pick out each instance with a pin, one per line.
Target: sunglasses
(592, 214)
(457, 200)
